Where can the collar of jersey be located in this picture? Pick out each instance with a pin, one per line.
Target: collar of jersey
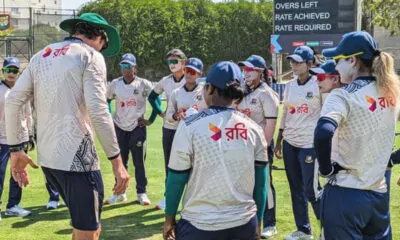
(220, 108)
(173, 78)
(365, 78)
(73, 39)
(5, 84)
(302, 84)
(127, 82)
(187, 90)
(249, 90)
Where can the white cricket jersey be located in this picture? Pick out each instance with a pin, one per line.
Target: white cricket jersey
(182, 99)
(261, 104)
(301, 111)
(220, 146)
(168, 85)
(366, 129)
(68, 83)
(25, 115)
(130, 101)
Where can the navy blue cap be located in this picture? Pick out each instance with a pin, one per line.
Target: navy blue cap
(195, 64)
(327, 67)
(128, 58)
(223, 73)
(357, 43)
(254, 61)
(11, 61)
(302, 54)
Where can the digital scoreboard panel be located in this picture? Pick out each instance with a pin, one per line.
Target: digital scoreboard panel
(319, 23)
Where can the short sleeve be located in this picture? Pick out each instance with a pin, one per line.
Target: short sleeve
(148, 86)
(159, 88)
(111, 89)
(335, 106)
(270, 105)
(261, 148)
(182, 149)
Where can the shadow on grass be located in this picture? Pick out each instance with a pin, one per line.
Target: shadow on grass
(139, 224)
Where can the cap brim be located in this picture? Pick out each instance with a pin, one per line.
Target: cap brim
(114, 41)
(125, 61)
(316, 71)
(295, 57)
(246, 63)
(330, 52)
(11, 65)
(194, 68)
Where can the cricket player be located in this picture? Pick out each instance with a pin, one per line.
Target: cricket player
(301, 110)
(10, 70)
(67, 81)
(221, 155)
(190, 96)
(261, 104)
(176, 61)
(130, 93)
(364, 114)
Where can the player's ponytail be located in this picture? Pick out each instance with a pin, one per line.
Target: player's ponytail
(233, 92)
(387, 80)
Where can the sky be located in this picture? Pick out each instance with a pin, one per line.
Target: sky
(74, 4)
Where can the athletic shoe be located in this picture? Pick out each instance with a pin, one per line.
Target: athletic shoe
(161, 205)
(52, 205)
(143, 199)
(116, 198)
(17, 211)
(269, 232)
(299, 235)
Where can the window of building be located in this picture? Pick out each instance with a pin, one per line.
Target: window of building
(14, 10)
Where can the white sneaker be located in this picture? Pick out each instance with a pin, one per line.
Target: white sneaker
(299, 235)
(161, 205)
(52, 205)
(116, 198)
(17, 211)
(143, 199)
(269, 232)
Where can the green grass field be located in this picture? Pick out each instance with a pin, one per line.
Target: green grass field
(130, 220)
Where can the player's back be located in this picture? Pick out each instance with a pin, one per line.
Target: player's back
(226, 145)
(365, 134)
(63, 124)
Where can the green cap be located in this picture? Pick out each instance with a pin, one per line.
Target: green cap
(114, 41)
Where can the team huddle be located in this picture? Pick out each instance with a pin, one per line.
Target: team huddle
(338, 122)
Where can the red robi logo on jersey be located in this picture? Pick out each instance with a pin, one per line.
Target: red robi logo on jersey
(299, 109)
(131, 103)
(216, 130)
(292, 109)
(47, 52)
(236, 132)
(121, 104)
(382, 101)
(246, 111)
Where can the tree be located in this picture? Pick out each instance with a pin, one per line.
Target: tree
(201, 28)
(384, 13)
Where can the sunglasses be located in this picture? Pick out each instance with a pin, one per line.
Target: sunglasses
(321, 77)
(174, 61)
(126, 66)
(249, 69)
(11, 70)
(189, 71)
(105, 38)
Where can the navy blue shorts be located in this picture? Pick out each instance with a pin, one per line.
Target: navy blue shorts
(83, 193)
(186, 231)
